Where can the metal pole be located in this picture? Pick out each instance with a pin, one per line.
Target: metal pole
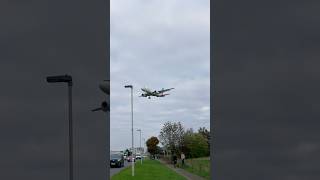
(140, 147)
(70, 133)
(132, 130)
(144, 144)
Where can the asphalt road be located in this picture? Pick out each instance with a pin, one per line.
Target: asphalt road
(115, 170)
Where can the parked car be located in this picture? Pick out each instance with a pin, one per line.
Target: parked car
(116, 160)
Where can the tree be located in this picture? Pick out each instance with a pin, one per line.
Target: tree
(127, 152)
(159, 150)
(195, 145)
(185, 149)
(171, 136)
(152, 145)
(206, 134)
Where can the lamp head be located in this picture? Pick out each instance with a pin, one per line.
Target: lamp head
(128, 86)
(62, 78)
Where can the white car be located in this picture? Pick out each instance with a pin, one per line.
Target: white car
(138, 156)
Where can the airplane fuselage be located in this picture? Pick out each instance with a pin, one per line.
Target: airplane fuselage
(148, 93)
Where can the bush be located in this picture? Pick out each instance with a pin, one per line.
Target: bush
(195, 145)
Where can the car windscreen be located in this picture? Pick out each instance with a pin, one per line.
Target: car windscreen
(115, 156)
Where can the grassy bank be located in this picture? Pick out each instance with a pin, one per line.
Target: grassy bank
(150, 169)
(198, 166)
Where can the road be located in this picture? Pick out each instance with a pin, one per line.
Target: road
(114, 171)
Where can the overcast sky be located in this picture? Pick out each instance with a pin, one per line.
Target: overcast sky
(159, 44)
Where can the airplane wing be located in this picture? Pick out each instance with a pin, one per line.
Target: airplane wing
(105, 86)
(104, 107)
(97, 109)
(162, 95)
(144, 90)
(165, 90)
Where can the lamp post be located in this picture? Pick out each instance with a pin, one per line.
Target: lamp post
(131, 87)
(144, 143)
(140, 145)
(67, 79)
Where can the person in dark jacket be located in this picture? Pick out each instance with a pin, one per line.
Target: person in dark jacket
(175, 159)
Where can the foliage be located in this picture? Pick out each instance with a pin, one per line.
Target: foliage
(127, 152)
(171, 136)
(195, 145)
(152, 145)
(206, 134)
(159, 150)
(176, 140)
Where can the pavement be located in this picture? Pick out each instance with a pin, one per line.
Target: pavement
(182, 172)
(115, 170)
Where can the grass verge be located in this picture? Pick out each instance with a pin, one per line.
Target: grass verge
(150, 169)
(198, 166)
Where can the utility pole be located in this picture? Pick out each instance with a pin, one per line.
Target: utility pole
(67, 79)
(131, 87)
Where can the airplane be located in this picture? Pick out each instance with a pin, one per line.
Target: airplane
(148, 93)
(104, 87)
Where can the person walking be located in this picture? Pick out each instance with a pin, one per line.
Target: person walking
(175, 159)
(182, 158)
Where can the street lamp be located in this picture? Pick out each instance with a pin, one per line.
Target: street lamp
(67, 79)
(140, 144)
(144, 144)
(131, 87)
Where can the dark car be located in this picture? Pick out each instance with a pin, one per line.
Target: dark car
(116, 160)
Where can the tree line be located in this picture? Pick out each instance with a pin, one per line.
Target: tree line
(175, 139)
